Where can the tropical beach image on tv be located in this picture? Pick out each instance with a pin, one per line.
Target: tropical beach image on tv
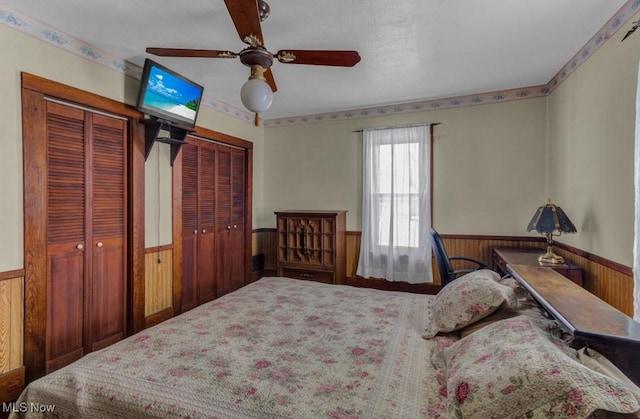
(167, 95)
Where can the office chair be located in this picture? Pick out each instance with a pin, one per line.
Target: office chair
(447, 273)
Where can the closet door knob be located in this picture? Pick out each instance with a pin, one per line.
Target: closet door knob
(195, 231)
(99, 244)
(235, 226)
(204, 231)
(228, 227)
(80, 246)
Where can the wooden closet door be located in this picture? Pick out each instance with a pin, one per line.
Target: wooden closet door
(189, 153)
(75, 197)
(108, 207)
(66, 212)
(238, 209)
(86, 212)
(230, 219)
(206, 221)
(223, 220)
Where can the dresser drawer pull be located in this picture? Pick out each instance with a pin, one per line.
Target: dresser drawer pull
(303, 275)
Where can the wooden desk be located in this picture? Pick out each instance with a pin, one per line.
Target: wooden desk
(590, 320)
(503, 256)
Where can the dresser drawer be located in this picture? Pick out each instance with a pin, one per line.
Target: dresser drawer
(319, 276)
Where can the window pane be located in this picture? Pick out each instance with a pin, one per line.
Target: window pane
(384, 218)
(406, 220)
(399, 174)
(385, 170)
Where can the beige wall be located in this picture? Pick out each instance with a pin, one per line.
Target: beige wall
(488, 166)
(591, 120)
(157, 197)
(22, 53)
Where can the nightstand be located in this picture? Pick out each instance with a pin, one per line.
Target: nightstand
(503, 256)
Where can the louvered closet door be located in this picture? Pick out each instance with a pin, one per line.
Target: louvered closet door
(86, 189)
(206, 221)
(66, 233)
(189, 154)
(230, 219)
(107, 196)
(237, 218)
(223, 220)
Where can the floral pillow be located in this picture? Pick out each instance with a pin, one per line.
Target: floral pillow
(513, 368)
(467, 300)
(595, 361)
(525, 306)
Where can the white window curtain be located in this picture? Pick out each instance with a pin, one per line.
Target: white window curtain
(636, 241)
(396, 207)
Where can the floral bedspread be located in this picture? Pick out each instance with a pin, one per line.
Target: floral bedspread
(275, 348)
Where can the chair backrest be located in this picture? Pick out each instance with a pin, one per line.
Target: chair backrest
(442, 259)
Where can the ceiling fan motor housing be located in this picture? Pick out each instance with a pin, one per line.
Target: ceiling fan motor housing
(256, 56)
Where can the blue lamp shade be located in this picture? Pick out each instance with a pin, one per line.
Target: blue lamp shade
(550, 220)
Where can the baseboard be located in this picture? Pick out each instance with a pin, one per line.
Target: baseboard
(12, 384)
(158, 317)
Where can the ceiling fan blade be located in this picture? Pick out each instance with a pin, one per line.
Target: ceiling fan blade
(268, 75)
(332, 58)
(197, 53)
(246, 19)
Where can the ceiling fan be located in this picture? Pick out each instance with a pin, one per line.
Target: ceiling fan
(257, 92)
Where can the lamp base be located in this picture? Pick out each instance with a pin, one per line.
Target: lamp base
(550, 257)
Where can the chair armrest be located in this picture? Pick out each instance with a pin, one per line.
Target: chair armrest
(480, 264)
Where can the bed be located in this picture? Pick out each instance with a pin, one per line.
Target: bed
(282, 347)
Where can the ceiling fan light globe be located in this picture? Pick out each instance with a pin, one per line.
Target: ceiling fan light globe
(256, 95)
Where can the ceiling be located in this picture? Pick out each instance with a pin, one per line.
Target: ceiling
(412, 50)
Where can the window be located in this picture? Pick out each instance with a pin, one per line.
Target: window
(398, 184)
(396, 204)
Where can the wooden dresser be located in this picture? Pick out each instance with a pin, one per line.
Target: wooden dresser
(311, 245)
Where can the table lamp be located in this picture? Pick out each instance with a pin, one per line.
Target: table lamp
(547, 220)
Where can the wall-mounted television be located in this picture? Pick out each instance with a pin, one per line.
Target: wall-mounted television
(168, 96)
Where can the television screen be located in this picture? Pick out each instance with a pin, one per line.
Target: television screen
(167, 95)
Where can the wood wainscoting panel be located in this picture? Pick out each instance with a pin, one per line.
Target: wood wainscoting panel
(611, 286)
(607, 280)
(353, 252)
(265, 242)
(479, 247)
(12, 372)
(158, 280)
(11, 323)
